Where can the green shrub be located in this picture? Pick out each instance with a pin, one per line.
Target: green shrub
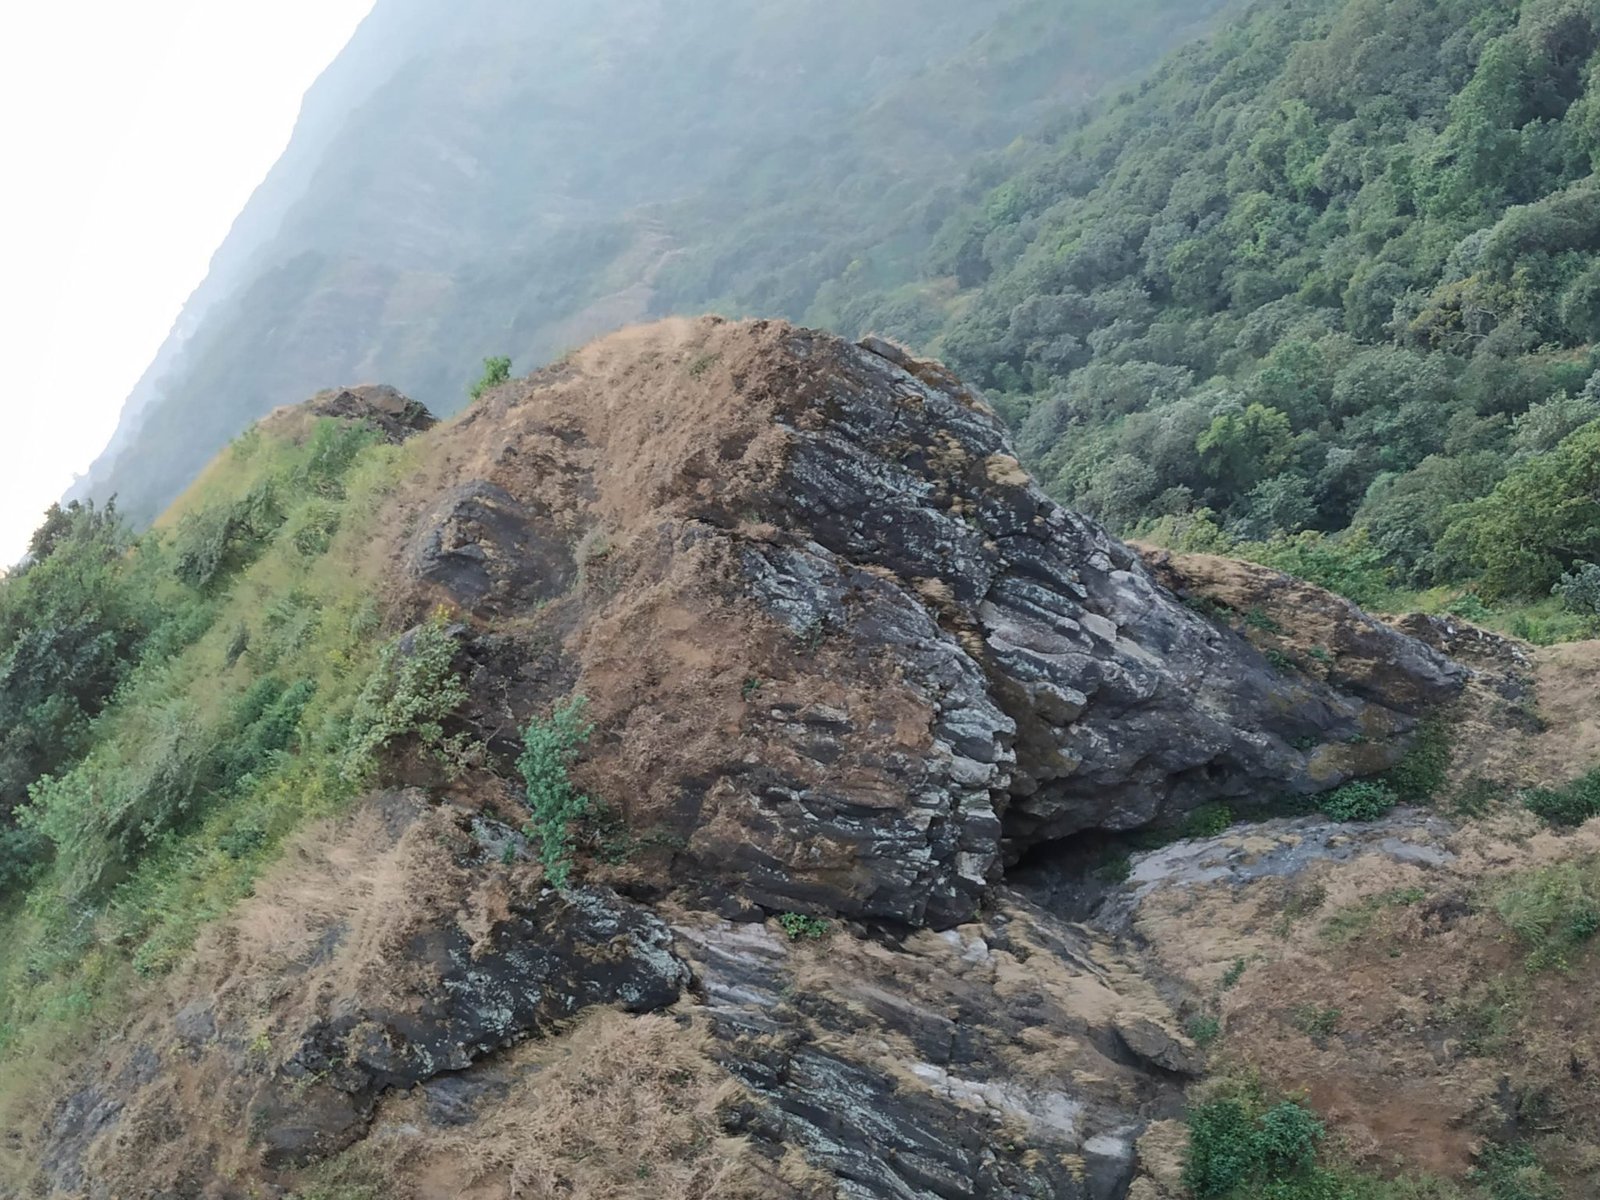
(1349, 565)
(1204, 1028)
(327, 457)
(411, 693)
(799, 926)
(215, 543)
(1421, 774)
(1281, 662)
(1513, 1172)
(1238, 1143)
(1572, 804)
(24, 854)
(548, 750)
(1208, 820)
(1579, 589)
(1317, 1021)
(495, 372)
(1363, 800)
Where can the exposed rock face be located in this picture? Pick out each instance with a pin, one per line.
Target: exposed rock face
(997, 1060)
(838, 643)
(545, 962)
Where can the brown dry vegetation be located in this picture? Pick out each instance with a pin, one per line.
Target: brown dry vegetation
(626, 1108)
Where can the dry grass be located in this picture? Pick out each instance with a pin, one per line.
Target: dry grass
(621, 1108)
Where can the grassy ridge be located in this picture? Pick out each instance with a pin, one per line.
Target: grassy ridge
(234, 722)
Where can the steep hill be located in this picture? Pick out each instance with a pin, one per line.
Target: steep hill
(501, 178)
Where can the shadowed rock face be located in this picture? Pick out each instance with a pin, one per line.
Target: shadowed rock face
(936, 666)
(545, 963)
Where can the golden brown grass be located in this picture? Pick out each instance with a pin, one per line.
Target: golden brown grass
(620, 1108)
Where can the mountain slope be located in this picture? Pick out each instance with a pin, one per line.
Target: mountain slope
(1336, 268)
(505, 178)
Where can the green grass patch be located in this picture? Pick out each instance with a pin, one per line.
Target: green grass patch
(1420, 775)
(1571, 804)
(1554, 911)
(1349, 924)
(1544, 622)
(227, 737)
(1244, 1145)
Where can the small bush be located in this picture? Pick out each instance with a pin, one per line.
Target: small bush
(1363, 800)
(1420, 775)
(1204, 1028)
(1572, 804)
(548, 750)
(495, 372)
(1512, 1172)
(1580, 590)
(214, 544)
(1317, 1021)
(800, 927)
(412, 692)
(1258, 618)
(1238, 1143)
(23, 855)
(1115, 869)
(1208, 820)
(1281, 662)
(1234, 973)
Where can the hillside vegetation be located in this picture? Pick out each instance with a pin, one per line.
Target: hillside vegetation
(1334, 272)
(176, 703)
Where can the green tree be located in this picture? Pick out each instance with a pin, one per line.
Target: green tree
(1245, 444)
(1539, 521)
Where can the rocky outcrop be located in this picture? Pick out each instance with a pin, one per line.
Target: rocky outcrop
(1322, 634)
(844, 655)
(843, 658)
(385, 957)
(992, 1061)
(395, 416)
(546, 961)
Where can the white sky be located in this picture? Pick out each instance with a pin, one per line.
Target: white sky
(131, 134)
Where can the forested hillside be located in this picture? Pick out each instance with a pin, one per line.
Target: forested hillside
(499, 178)
(1337, 269)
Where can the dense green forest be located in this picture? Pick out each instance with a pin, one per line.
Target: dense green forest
(1327, 286)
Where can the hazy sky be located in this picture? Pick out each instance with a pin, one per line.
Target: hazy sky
(131, 134)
